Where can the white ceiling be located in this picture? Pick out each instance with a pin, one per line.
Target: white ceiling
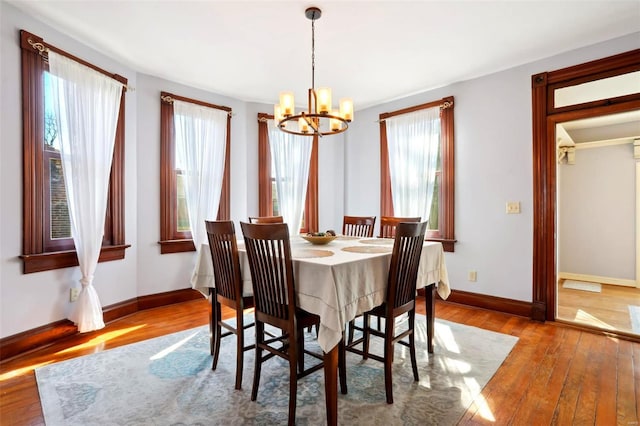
(371, 51)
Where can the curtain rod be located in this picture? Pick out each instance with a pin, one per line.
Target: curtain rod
(43, 50)
(443, 105)
(170, 99)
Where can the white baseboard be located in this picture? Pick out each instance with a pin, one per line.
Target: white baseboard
(596, 279)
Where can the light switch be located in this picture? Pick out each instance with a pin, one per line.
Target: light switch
(513, 207)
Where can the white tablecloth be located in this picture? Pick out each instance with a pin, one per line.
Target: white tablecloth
(338, 287)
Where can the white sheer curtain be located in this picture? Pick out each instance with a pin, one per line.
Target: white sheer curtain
(201, 141)
(291, 156)
(86, 105)
(413, 142)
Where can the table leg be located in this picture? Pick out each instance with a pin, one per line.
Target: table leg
(430, 299)
(331, 385)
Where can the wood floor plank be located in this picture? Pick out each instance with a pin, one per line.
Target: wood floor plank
(606, 413)
(528, 407)
(589, 387)
(517, 372)
(627, 393)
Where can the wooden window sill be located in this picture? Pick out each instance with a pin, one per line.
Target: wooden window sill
(176, 246)
(64, 259)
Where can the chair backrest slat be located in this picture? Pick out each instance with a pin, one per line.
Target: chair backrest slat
(405, 260)
(358, 226)
(224, 258)
(269, 253)
(388, 224)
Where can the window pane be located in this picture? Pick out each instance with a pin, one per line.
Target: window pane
(605, 88)
(435, 205)
(59, 222)
(183, 214)
(59, 210)
(51, 141)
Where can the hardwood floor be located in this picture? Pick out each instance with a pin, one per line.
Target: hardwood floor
(608, 310)
(555, 375)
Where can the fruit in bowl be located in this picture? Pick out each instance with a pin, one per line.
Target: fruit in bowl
(320, 238)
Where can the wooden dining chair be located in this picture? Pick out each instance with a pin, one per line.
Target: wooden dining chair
(388, 224)
(269, 254)
(400, 299)
(358, 226)
(227, 291)
(265, 219)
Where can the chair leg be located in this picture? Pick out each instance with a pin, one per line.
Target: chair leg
(365, 336)
(412, 345)
(239, 347)
(212, 321)
(300, 349)
(388, 358)
(258, 360)
(217, 331)
(293, 378)
(351, 326)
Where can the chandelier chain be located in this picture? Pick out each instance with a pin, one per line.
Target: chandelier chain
(313, 53)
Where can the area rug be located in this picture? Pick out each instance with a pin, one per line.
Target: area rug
(168, 381)
(582, 285)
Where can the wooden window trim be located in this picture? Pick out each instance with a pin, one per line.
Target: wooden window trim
(171, 240)
(34, 256)
(265, 206)
(446, 233)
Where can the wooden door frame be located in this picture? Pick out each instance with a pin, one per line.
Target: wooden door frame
(545, 115)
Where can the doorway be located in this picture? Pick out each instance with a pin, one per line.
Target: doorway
(551, 107)
(597, 225)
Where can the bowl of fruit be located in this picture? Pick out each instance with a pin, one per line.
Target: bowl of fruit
(320, 238)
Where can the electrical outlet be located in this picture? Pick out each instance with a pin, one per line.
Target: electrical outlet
(473, 276)
(513, 207)
(73, 294)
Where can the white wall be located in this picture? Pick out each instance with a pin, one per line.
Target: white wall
(596, 213)
(493, 155)
(493, 165)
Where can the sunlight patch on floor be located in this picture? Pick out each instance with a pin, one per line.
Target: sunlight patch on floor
(99, 340)
(480, 402)
(173, 347)
(587, 318)
(20, 371)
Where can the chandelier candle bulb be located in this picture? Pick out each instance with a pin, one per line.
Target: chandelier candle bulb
(287, 105)
(346, 109)
(335, 123)
(303, 126)
(324, 100)
(277, 115)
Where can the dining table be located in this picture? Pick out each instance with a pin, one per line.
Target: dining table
(339, 281)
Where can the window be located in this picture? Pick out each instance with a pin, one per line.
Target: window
(47, 242)
(174, 221)
(267, 198)
(441, 221)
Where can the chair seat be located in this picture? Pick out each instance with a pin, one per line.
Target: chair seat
(306, 319)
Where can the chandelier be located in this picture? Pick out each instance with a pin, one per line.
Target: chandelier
(319, 118)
